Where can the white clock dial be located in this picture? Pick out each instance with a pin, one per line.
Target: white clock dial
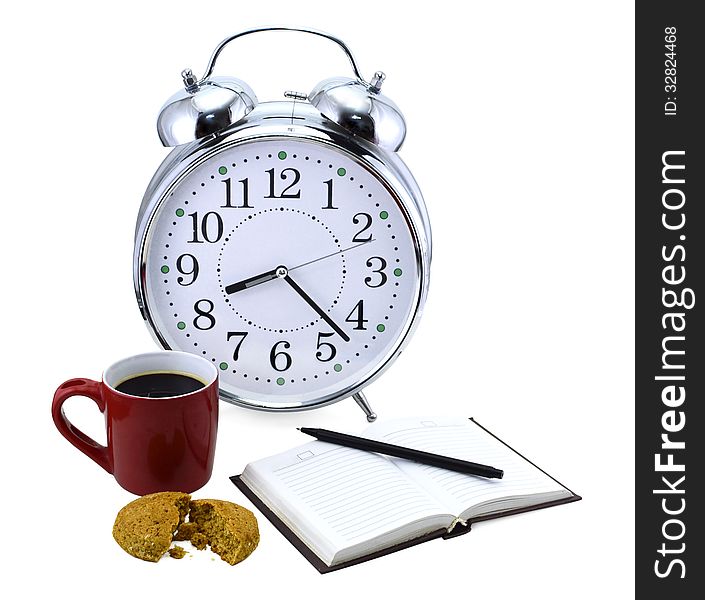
(289, 265)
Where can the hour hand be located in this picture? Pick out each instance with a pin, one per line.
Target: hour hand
(252, 281)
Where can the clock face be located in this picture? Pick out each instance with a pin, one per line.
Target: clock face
(289, 265)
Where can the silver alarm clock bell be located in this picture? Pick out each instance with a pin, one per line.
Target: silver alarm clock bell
(207, 106)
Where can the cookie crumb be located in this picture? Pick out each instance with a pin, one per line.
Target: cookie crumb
(199, 540)
(185, 532)
(177, 552)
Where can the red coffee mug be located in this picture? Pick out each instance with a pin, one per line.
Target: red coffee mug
(154, 444)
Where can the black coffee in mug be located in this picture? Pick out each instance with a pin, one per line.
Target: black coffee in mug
(159, 385)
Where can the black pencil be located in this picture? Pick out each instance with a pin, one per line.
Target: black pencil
(426, 458)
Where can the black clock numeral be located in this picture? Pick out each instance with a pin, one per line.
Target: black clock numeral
(379, 271)
(285, 192)
(319, 344)
(357, 219)
(228, 193)
(204, 314)
(181, 268)
(358, 319)
(275, 355)
(206, 230)
(329, 205)
(242, 335)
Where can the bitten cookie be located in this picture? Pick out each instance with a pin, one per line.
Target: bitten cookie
(230, 529)
(145, 527)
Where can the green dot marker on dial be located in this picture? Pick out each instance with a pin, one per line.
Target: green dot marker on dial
(337, 367)
(179, 212)
(280, 381)
(383, 215)
(222, 170)
(181, 325)
(380, 328)
(397, 272)
(341, 171)
(223, 366)
(165, 269)
(282, 156)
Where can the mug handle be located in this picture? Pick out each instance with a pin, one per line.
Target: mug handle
(90, 389)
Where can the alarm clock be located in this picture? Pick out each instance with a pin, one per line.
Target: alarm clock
(284, 241)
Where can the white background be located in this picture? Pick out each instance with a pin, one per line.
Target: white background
(520, 118)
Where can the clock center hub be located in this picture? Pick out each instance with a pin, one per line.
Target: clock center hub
(284, 242)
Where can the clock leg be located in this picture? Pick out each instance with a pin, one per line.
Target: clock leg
(365, 406)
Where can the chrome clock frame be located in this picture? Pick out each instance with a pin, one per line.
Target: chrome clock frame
(299, 121)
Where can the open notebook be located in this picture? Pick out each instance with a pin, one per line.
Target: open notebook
(340, 506)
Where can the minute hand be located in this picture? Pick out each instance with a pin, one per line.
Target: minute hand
(318, 309)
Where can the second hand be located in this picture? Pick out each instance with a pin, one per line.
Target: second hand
(281, 271)
(331, 254)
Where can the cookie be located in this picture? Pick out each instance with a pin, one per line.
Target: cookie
(230, 529)
(145, 527)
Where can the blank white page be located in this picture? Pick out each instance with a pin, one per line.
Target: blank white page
(336, 497)
(464, 439)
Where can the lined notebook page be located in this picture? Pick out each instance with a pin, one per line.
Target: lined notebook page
(462, 438)
(347, 496)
